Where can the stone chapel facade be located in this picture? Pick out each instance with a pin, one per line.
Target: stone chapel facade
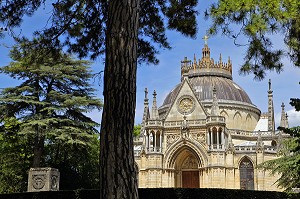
(207, 133)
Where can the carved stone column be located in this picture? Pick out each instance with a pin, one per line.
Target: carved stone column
(43, 179)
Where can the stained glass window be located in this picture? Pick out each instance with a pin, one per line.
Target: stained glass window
(246, 174)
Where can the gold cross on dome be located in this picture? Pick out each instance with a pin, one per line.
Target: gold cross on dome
(205, 38)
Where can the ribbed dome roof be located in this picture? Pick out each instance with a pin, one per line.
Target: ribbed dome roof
(203, 86)
(205, 74)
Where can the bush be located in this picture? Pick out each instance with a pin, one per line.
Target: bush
(160, 193)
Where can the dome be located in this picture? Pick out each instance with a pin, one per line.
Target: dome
(205, 74)
(203, 86)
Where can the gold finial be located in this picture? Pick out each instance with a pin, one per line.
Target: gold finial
(205, 38)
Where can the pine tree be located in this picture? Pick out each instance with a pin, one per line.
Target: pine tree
(256, 22)
(52, 98)
(15, 157)
(124, 30)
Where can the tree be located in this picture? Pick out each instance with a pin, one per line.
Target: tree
(123, 30)
(77, 162)
(137, 130)
(257, 21)
(51, 99)
(295, 102)
(15, 157)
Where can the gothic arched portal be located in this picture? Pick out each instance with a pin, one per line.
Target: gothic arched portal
(246, 174)
(187, 170)
(190, 173)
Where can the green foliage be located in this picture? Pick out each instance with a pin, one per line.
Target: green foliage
(257, 21)
(83, 24)
(15, 157)
(295, 102)
(77, 162)
(137, 130)
(44, 121)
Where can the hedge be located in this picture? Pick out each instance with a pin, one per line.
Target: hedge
(160, 193)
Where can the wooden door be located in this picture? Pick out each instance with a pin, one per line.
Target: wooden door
(190, 179)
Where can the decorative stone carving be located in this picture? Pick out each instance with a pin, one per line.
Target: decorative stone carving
(198, 136)
(186, 104)
(38, 181)
(171, 138)
(184, 129)
(43, 179)
(190, 163)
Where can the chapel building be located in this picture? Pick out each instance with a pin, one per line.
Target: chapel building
(207, 133)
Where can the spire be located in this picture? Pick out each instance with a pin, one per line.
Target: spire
(220, 59)
(146, 107)
(215, 107)
(154, 107)
(195, 63)
(283, 120)
(271, 123)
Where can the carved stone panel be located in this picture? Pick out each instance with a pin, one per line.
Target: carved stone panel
(198, 136)
(43, 179)
(171, 138)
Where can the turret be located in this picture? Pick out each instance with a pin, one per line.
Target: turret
(154, 114)
(215, 126)
(205, 66)
(154, 130)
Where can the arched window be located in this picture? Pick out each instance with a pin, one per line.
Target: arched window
(246, 174)
(214, 131)
(237, 121)
(158, 141)
(274, 143)
(248, 123)
(220, 136)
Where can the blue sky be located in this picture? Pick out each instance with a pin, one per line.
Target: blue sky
(164, 77)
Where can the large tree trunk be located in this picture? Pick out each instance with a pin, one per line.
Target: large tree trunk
(38, 151)
(117, 166)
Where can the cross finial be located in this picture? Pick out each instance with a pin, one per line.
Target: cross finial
(146, 93)
(205, 38)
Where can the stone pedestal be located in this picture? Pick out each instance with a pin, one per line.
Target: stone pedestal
(43, 179)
